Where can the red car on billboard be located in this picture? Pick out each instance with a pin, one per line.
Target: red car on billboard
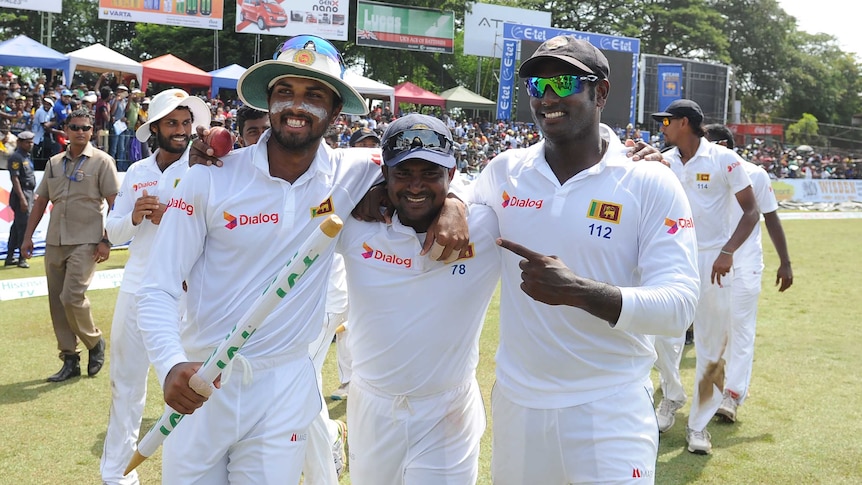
(265, 13)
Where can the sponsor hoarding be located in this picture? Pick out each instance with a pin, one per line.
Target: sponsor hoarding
(405, 28)
(54, 6)
(201, 14)
(323, 18)
(483, 27)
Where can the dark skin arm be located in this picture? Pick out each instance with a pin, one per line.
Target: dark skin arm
(178, 394)
(546, 279)
(17, 189)
(750, 217)
(446, 237)
(784, 277)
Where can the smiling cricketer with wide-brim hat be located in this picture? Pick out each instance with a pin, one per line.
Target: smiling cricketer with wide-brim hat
(168, 100)
(304, 56)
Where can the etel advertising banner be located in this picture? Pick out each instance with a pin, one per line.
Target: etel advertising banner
(323, 18)
(406, 28)
(201, 14)
(53, 6)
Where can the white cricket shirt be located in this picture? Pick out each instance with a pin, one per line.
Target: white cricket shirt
(143, 175)
(711, 180)
(750, 254)
(228, 232)
(415, 322)
(620, 222)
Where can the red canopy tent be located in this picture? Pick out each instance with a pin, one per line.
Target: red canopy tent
(410, 93)
(169, 69)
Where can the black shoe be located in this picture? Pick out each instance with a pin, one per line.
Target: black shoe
(22, 263)
(11, 262)
(97, 358)
(71, 368)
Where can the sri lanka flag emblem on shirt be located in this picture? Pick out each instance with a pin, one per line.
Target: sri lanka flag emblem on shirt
(703, 177)
(605, 211)
(324, 208)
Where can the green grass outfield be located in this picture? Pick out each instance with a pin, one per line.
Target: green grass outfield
(800, 425)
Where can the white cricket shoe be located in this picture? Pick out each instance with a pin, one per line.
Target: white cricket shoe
(339, 453)
(666, 413)
(699, 442)
(340, 394)
(727, 409)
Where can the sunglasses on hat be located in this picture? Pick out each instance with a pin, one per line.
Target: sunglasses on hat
(307, 47)
(412, 139)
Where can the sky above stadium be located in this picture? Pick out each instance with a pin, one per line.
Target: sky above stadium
(826, 16)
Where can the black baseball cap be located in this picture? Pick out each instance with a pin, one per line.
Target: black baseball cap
(578, 53)
(681, 108)
(362, 134)
(418, 136)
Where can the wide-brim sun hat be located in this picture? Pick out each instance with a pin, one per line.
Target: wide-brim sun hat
(305, 56)
(165, 102)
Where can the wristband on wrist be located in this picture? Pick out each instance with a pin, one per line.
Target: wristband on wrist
(729, 253)
(106, 241)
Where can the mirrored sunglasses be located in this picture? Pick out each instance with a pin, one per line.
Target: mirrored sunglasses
(313, 44)
(80, 127)
(413, 139)
(563, 85)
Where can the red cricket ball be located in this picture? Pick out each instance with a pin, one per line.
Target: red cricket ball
(220, 139)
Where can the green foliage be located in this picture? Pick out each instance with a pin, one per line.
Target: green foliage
(805, 131)
(778, 70)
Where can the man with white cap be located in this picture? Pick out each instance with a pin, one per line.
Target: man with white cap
(138, 208)
(43, 122)
(229, 231)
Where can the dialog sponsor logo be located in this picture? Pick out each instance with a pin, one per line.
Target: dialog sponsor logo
(247, 220)
(144, 185)
(514, 201)
(181, 205)
(676, 225)
(371, 253)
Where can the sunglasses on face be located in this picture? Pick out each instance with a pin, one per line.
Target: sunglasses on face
(564, 85)
(314, 44)
(80, 127)
(666, 121)
(412, 139)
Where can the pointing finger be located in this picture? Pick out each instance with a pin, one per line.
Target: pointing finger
(519, 250)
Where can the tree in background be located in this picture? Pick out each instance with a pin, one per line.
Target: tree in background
(778, 70)
(804, 132)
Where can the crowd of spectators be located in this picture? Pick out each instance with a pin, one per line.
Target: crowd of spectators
(119, 109)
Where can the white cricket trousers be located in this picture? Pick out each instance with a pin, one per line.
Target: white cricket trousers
(401, 440)
(668, 357)
(711, 338)
(613, 440)
(129, 366)
(247, 433)
(740, 350)
(319, 467)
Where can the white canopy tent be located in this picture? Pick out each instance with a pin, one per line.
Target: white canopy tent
(98, 58)
(370, 88)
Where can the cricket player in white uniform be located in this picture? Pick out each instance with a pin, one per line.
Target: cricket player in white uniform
(144, 194)
(227, 233)
(747, 276)
(415, 413)
(714, 181)
(573, 397)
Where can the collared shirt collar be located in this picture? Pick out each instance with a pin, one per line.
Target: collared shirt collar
(321, 164)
